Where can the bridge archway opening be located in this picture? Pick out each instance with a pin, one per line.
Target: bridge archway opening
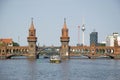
(109, 51)
(17, 57)
(47, 51)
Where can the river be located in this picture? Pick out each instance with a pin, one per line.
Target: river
(73, 69)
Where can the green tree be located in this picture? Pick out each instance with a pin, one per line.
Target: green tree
(15, 44)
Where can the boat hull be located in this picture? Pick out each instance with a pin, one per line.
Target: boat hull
(55, 59)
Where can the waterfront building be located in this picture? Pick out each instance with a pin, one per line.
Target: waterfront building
(6, 41)
(111, 38)
(109, 41)
(94, 38)
(118, 40)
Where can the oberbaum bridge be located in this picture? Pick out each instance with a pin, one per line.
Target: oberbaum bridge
(66, 51)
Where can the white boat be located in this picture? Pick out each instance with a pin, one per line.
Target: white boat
(55, 59)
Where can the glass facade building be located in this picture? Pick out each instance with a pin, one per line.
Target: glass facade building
(94, 38)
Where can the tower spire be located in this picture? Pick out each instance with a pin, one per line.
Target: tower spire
(32, 30)
(65, 26)
(32, 25)
(32, 20)
(64, 20)
(65, 29)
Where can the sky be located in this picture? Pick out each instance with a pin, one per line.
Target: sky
(102, 16)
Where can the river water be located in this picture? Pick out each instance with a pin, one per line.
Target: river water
(73, 69)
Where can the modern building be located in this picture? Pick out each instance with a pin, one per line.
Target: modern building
(118, 40)
(94, 38)
(110, 39)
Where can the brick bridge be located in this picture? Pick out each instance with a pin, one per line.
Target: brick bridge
(65, 51)
(10, 51)
(95, 51)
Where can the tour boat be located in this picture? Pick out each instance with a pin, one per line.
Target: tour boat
(55, 59)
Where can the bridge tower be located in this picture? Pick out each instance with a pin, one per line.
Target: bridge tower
(64, 50)
(32, 39)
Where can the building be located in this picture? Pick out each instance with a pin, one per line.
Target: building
(110, 39)
(6, 41)
(64, 50)
(103, 43)
(94, 38)
(32, 39)
(118, 40)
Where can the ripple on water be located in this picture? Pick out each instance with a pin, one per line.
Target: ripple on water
(73, 69)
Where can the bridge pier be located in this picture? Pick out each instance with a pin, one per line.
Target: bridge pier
(115, 56)
(3, 57)
(91, 57)
(37, 56)
(64, 57)
(31, 56)
(111, 57)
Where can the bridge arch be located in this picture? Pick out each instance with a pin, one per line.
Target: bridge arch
(9, 51)
(94, 51)
(48, 50)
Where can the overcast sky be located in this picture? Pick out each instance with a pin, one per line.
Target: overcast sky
(102, 16)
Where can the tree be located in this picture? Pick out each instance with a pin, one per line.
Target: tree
(15, 44)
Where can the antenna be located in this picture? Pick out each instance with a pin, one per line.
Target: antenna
(83, 29)
(78, 35)
(83, 24)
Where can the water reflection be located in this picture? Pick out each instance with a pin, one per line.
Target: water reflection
(65, 70)
(73, 69)
(32, 69)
